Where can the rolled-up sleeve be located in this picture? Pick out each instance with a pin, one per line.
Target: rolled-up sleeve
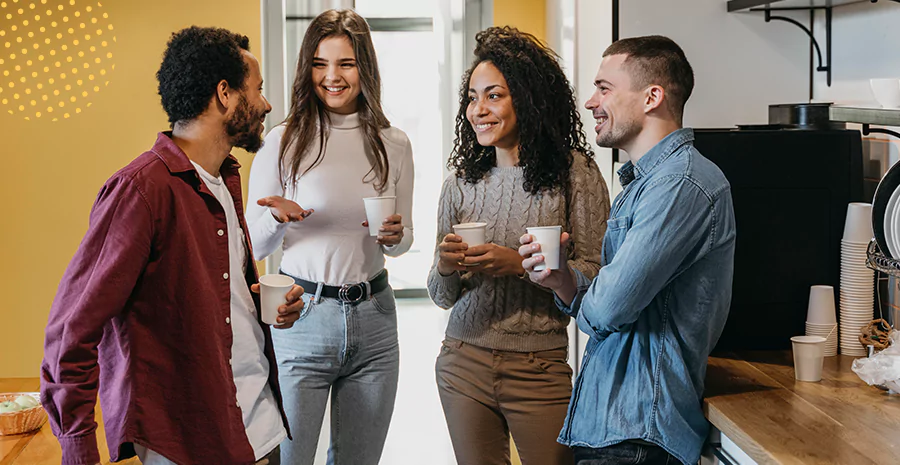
(645, 262)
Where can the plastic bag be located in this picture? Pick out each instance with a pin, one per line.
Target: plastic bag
(883, 368)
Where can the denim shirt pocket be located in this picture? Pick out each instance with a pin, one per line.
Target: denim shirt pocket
(616, 228)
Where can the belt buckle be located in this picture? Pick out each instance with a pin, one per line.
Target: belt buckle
(344, 293)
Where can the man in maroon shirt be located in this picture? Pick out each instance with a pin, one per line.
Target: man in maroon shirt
(144, 311)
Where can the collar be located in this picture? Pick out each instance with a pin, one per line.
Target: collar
(663, 150)
(339, 121)
(656, 155)
(177, 161)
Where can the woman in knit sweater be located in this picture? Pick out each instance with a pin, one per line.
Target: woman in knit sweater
(335, 148)
(521, 160)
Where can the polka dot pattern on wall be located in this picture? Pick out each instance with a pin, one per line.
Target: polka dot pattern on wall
(55, 56)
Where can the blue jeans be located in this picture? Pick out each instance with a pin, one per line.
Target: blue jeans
(347, 350)
(624, 453)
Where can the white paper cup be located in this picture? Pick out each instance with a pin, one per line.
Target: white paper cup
(809, 354)
(886, 92)
(377, 209)
(273, 289)
(548, 238)
(821, 305)
(858, 225)
(471, 233)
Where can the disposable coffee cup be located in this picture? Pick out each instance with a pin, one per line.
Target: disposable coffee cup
(809, 355)
(471, 233)
(377, 210)
(548, 238)
(821, 305)
(273, 289)
(858, 223)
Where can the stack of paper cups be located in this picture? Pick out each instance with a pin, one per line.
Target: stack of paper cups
(857, 281)
(821, 319)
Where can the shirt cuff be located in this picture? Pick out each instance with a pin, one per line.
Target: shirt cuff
(79, 450)
(582, 284)
(401, 248)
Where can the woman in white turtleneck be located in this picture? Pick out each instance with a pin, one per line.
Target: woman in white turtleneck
(308, 183)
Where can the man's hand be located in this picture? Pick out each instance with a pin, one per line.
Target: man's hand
(391, 230)
(494, 260)
(284, 210)
(561, 281)
(289, 312)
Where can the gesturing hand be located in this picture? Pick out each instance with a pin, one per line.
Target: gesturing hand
(284, 210)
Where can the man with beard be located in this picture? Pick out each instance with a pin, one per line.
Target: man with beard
(659, 303)
(156, 308)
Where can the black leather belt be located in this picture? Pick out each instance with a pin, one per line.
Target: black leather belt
(349, 293)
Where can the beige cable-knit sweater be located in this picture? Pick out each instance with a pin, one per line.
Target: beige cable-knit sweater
(511, 313)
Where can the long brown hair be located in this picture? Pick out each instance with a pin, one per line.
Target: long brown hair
(308, 118)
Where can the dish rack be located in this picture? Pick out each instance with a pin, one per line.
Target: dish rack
(878, 261)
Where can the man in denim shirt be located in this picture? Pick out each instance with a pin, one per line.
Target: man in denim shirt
(659, 303)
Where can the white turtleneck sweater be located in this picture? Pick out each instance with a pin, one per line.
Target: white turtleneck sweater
(331, 245)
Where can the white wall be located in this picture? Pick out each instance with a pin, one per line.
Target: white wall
(593, 33)
(863, 40)
(741, 63)
(864, 37)
(579, 31)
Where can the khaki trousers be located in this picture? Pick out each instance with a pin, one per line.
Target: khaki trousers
(488, 394)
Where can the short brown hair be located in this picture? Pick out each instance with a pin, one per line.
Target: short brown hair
(657, 60)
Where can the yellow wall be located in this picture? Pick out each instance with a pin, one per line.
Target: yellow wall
(53, 171)
(528, 16)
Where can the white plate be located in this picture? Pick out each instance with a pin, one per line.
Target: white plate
(892, 228)
(890, 220)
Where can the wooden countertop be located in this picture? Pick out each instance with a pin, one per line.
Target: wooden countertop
(753, 399)
(41, 447)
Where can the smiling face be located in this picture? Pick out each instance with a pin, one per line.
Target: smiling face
(244, 125)
(617, 108)
(335, 75)
(490, 110)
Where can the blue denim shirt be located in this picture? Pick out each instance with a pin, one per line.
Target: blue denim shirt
(658, 305)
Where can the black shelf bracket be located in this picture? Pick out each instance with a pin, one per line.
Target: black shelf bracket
(866, 130)
(824, 66)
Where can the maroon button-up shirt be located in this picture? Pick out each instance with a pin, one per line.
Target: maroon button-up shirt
(143, 314)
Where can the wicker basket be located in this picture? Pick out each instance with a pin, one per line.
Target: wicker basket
(23, 421)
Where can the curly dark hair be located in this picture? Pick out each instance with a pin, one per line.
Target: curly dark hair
(195, 61)
(549, 125)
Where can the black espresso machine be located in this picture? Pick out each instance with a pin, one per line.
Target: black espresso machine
(791, 181)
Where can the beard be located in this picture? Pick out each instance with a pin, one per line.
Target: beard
(241, 127)
(615, 137)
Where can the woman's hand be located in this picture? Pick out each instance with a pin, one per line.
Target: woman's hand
(494, 260)
(451, 254)
(284, 210)
(391, 230)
